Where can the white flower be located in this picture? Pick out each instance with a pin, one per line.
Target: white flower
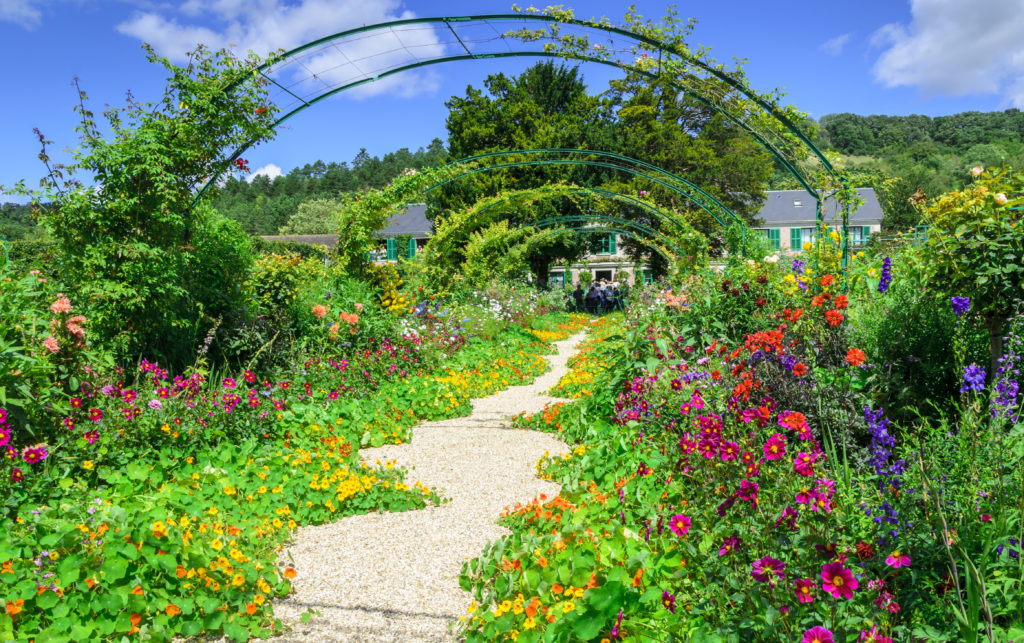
(772, 259)
(1000, 199)
(977, 170)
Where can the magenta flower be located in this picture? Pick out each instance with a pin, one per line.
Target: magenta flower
(697, 401)
(5, 435)
(897, 560)
(669, 601)
(838, 581)
(729, 450)
(677, 384)
(228, 383)
(91, 436)
(804, 590)
(804, 463)
(763, 570)
(817, 634)
(95, 415)
(788, 518)
(679, 524)
(156, 405)
(618, 624)
(17, 475)
(775, 447)
(35, 453)
(730, 544)
(128, 396)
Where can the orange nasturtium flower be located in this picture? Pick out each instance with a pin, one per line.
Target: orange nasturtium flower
(14, 607)
(251, 609)
(289, 573)
(138, 591)
(172, 609)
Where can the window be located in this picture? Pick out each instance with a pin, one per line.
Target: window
(557, 279)
(797, 203)
(859, 234)
(603, 245)
(774, 237)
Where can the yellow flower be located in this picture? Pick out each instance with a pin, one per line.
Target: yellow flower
(568, 607)
(472, 607)
(217, 544)
(87, 464)
(238, 580)
(212, 511)
(807, 245)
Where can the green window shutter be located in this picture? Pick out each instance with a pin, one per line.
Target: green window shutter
(412, 249)
(611, 243)
(775, 238)
(392, 250)
(865, 233)
(795, 241)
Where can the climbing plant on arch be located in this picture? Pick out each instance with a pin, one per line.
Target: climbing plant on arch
(444, 249)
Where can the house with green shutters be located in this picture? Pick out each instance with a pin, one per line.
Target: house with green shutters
(787, 218)
(405, 233)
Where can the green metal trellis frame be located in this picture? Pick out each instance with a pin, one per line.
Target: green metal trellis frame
(660, 47)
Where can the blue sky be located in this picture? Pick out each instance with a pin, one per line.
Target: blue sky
(869, 57)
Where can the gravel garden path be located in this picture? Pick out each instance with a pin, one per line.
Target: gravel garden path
(394, 576)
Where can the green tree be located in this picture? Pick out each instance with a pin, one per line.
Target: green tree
(316, 216)
(128, 239)
(547, 106)
(975, 248)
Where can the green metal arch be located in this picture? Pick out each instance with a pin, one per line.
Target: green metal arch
(618, 157)
(500, 166)
(653, 43)
(607, 194)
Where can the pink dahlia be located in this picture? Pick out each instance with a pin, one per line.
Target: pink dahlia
(838, 581)
(679, 524)
(818, 634)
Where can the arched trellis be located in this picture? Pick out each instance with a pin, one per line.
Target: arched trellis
(692, 191)
(626, 198)
(490, 168)
(443, 238)
(673, 64)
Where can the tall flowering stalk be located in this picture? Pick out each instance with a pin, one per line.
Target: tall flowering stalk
(886, 467)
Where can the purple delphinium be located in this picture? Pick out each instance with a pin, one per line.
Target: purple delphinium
(974, 379)
(960, 305)
(885, 466)
(886, 279)
(1006, 403)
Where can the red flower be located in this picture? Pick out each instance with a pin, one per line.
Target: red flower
(799, 369)
(826, 281)
(834, 317)
(842, 302)
(855, 356)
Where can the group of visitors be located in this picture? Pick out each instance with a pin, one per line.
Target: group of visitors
(600, 297)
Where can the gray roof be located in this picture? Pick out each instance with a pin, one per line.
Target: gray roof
(792, 208)
(412, 222)
(329, 240)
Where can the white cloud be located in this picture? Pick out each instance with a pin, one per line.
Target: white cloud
(20, 12)
(954, 47)
(269, 170)
(263, 26)
(835, 46)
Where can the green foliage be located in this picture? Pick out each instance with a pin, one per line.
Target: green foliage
(125, 241)
(975, 247)
(316, 216)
